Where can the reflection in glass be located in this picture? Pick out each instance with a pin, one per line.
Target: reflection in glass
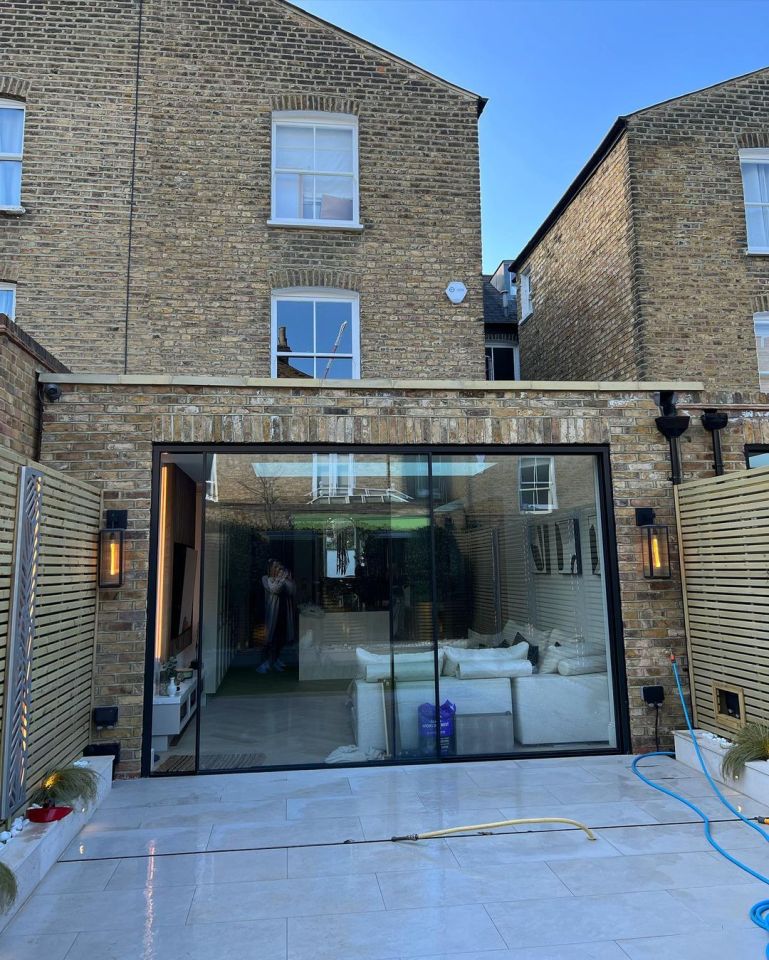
(355, 607)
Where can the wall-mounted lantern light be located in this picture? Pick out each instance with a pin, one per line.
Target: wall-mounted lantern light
(111, 549)
(655, 545)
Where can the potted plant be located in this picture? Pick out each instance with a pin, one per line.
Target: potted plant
(750, 743)
(59, 789)
(8, 888)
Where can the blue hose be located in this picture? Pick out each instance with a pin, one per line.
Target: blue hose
(759, 912)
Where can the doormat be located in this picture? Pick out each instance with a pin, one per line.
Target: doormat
(213, 761)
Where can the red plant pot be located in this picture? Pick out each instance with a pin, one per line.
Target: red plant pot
(47, 814)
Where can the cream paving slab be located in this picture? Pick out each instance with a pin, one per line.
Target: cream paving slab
(531, 776)
(289, 834)
(260, 940)
(685, 837)
(231, 866)
(533, 923)
(464, 798)
(312, 809)
(254, 811)
(723, 906)
(297, 897)
(396, 824)
(651, 871)
(114, 844)
(667, 810)
(628, 789)
(747, 944)
(362, 858)
(615, 813)
(78, 876)
(545, 845)
(392, 934)
(443, 888)
(577, 951)
(102, 910)
(338, 786)
(49, 946)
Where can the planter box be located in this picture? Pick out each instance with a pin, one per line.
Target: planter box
(33, 852)
(754, 782)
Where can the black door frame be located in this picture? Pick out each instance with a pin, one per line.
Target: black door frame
(612, 583)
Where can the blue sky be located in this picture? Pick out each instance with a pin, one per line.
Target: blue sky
(557, 73)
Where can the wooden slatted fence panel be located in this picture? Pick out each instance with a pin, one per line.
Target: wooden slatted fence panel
(723, 525)
(66, 606)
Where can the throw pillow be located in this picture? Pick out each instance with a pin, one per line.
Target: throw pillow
(572, 667)
(481, 670)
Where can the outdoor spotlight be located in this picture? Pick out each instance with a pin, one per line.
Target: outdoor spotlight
(52, 392)
(111, 549)
(655, 544)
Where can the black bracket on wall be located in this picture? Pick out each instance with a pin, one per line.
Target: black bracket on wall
(714, 422)
(672, 425)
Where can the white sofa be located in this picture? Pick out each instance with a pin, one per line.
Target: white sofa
(488, 695)
(549, 708)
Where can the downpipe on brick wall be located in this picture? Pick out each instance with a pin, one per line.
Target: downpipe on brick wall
(714, 422)
(672, 425)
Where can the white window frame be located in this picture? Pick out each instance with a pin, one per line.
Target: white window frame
(761, 319)
(333, 460)
(527, 308)
(313, 294)
(552, 499)
(316, 118)
(15, 157)
(12, 287)
(753, 156)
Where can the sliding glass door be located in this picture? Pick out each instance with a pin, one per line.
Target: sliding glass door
(352, 606)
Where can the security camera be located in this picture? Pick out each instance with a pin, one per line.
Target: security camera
(52, 392)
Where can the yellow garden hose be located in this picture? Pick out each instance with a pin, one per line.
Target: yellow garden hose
(500, 823)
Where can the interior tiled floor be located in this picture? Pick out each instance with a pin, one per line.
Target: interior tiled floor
(299, 866)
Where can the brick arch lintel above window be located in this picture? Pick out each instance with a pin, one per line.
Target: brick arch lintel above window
(309, 101)
(761, 303)
(755, 140)
(14, 87)
(9, 271)
(314, 277)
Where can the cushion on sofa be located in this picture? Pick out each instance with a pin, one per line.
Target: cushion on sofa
(528, 631)
(572, 667)
(555, 652)
(374, 667)
(484, 639)
(502, 656)
(481, 669)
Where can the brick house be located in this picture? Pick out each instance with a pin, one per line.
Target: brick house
(237, 231)
(654, 262)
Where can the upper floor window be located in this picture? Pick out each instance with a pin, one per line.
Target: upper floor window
(8, 299)
(11, 151)
(315, 333)
(526, 306)
(536, 484)
(754, 164)
(761, 328)
(315, 169)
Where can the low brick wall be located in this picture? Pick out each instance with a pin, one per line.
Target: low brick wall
(104, 430)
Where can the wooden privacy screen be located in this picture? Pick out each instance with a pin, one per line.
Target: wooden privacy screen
(724, 536)
(65, 611)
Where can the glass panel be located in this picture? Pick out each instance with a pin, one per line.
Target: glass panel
(8, 303)
(334, 369)
(317, 626)
(287, 193)
(334, 197)
(295, 326)
(333, 150)
(755, 178)
(504, 363)
(293, 147)
(758, 226)
(10, 183)
(521, 608)
(329, 317)
(758, 459)
(11, 130)
(183, 484)
(291, 366)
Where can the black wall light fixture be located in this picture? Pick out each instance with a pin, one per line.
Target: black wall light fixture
(112, 549)
(655, 544)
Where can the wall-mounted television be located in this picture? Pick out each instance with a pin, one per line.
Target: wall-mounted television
(183, 596)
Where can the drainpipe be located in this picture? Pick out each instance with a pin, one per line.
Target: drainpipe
(714, 422)
(672, 425)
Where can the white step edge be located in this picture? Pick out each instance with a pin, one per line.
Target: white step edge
(754, 781)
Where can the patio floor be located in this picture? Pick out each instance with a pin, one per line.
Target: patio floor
(298, 866)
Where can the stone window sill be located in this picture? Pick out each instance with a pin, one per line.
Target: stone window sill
(12, 211)
(316, 225)
(757, 253)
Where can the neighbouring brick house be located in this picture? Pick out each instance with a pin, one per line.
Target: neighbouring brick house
(333, 521)
(654, 262)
